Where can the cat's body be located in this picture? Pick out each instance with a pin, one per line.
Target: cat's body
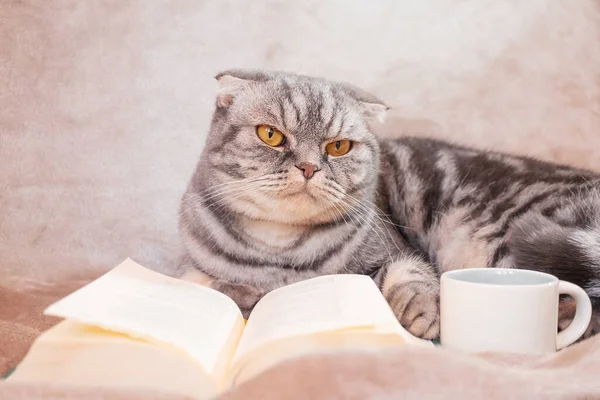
(402, 211)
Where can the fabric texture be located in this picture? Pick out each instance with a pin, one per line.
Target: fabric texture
(408, 372)
(21, 319)
(412, 373)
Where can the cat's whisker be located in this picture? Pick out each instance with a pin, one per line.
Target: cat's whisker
(228, 189)
(241, 181)
(353, 220)
(366, 209)
(339, 210)
(199, 200)
(264, 193)
(383, 230)
(334, 205)
(209, 194)
(243, 192)
(222, 202)
(375, 226)
(367, 203)
(371, 224)
(386, 231)
(341, 214)
(380, 213)
(225, 188)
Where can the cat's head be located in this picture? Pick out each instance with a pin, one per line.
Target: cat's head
(290, 148)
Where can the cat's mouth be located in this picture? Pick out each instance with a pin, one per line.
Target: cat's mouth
(305, 190)
(293, 201)
(298, 205)
(311, 188)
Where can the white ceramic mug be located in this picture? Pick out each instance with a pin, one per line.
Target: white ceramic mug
(507, 310)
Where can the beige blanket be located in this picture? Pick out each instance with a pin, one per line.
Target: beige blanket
(406, 373)
(21, 319)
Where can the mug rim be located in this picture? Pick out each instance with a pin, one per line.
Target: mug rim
(454, 276)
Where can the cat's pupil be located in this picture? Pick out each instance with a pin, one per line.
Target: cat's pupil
(270, 133)
(337, 145)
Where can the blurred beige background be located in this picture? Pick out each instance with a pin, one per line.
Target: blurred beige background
(104, 105)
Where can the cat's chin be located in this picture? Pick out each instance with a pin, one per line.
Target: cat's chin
(299, 210)
(306, 207)
(299, 205)
(302, 222)
(313, 220)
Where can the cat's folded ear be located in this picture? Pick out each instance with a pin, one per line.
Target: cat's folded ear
(373, 108)
(233, 81)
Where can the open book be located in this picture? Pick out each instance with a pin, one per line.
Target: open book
(138, 328)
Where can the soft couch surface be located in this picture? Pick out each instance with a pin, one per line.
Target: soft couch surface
(407, 373)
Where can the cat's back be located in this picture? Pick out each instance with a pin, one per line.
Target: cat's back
(434, 159)
(426, 182)
(458, 203)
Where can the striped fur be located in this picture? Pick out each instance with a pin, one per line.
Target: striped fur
(402, 211)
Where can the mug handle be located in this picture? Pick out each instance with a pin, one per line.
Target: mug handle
(583, 314)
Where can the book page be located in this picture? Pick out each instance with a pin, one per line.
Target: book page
(145, 304)
(80, 355)
(321, 304)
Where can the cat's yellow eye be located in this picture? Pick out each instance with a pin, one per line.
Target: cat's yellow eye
(338, 148)
(270, 135)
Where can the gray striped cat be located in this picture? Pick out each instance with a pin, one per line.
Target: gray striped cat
(292, 184)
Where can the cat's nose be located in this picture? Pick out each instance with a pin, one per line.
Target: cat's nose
(308, 169)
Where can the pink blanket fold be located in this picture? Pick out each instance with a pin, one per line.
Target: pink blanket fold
(407, 373)
(415, 373)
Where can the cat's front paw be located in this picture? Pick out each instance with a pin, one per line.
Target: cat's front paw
(245, 296)
(416, 305)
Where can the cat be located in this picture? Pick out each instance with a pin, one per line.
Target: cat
(292, 184)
